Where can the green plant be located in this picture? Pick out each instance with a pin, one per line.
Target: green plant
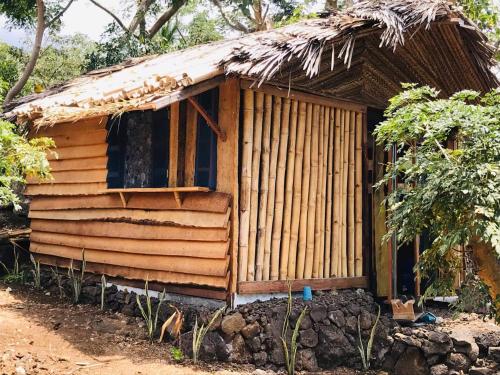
(291, 351)
(77, 279)
(15, 275)
(367, 354)
(200, 332)
(58, 278)
(147, 313)
(177, 354)
(36, 272)
(103, 290)
(174, 322)
(448, 186)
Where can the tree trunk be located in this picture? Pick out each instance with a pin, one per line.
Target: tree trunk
(40, 29)
(488, 269)
(331, 5)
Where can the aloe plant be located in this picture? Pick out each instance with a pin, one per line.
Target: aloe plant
(200, 332)
(77, 278)
(147, 311)
(367, 354)
(36, 272)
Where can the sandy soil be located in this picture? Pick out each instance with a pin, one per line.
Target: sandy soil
(42, 335)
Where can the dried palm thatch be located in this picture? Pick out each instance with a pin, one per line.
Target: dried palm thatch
(306, 41)
(432, 42)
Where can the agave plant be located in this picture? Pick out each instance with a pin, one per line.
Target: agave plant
(367, 354)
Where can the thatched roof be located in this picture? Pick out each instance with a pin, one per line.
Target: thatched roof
(360, 54)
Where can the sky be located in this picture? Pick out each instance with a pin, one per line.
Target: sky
(82, 17)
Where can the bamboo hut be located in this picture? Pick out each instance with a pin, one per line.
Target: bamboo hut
(229, 168)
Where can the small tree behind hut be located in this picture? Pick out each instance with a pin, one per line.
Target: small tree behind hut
(449, 162)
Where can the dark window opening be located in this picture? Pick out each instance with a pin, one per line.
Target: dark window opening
(138, 150)
(206, 142)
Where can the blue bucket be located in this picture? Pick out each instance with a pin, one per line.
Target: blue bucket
(307, 293)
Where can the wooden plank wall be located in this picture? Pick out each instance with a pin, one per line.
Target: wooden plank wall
(151, 238)
(301, 200)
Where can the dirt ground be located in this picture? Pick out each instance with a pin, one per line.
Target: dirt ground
(41, 334)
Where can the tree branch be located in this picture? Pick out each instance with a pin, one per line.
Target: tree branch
(58, 15)
(35, 52)
(139, 15)
(115, 17)
(236, 24)
(165, 17)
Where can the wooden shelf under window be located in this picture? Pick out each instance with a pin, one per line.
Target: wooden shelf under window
(176, 191)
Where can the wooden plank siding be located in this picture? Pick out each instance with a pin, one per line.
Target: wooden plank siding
(152, 238)
(329, 192)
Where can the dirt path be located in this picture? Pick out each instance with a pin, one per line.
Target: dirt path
(40, 335)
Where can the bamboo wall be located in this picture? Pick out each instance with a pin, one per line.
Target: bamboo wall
(151, 238)
(301, 213)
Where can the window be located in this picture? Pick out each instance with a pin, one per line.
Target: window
(206, 142)
(138, 150)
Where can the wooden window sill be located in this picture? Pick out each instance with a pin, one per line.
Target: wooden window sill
(176, 191)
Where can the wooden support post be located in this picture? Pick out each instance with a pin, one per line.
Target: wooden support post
(246, 182)
(221, 134)
(273, 166)
(297, 192)
(190, 149)
(178, 198)
(227, 163)
(279, 200)
(173, 145)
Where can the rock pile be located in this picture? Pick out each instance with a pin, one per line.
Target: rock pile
(328, 334)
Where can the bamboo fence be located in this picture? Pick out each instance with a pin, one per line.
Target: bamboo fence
(301, 201)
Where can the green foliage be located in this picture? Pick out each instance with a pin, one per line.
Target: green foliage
(11, 63)
(36, 272)
(16, 274)
(291, 351)
(473, 296)
(366, 355)
(177, 354)
(485, 14)
(453, 195)
(147, 312)
(103, 290)
(199, 333)
(19, 158)
(58, 277)
(77, 279)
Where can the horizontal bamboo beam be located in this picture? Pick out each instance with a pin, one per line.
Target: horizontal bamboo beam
(281, 286)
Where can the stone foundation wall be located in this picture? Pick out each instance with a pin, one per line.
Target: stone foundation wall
(328, 334)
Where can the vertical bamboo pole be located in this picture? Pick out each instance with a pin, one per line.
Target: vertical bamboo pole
(341, 201)
(324, 178)
(317, 221)
(306, 175)
(246, 181)
(297, 191)
(289, 188)
(345, 190)
(350, 198)
(280, 190)
(359, 196)
(275, 144)
(329, 195)
(264, 179)
(254, 193)
(313, 187)
(334, 271)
